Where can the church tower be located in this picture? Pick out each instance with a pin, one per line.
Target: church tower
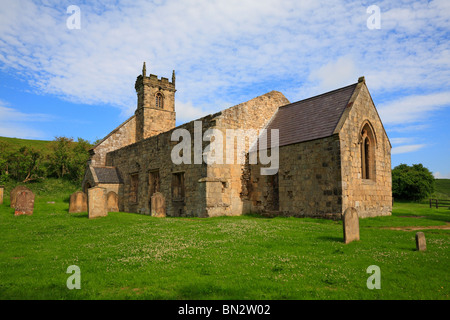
(155, 111)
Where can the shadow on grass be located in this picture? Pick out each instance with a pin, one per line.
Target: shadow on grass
(256, 215)
(331, 238)
(84, 215)
(205, 290)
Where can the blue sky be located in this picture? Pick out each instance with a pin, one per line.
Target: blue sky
(56, 81)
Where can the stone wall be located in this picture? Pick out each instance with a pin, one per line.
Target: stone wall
(224, 188)
(151, 122)
(209, 190)
(122, 136)
(370, 197)
(152, 119)
(323, 177)
(308, 181)
(90, 180)
(154, 154)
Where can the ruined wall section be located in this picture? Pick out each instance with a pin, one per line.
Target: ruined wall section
(154, 155)
(224, 187)
(122, 136)
(210, 190)
(371, 197)
(308, 183)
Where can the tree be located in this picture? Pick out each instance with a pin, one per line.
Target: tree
(79, 158)
(5, 154)
(59, 160)
(25, 164)
(412, 182)
(69, 158)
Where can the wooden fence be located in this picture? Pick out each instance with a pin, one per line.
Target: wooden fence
(439, 203)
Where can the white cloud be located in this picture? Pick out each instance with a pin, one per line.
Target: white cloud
(401, 140)
(407, 148)
(20, 131)
(335, 74)
(438, 175)
(409, 128)
(12, 122)
(413, 108)
(12, 115)
(187, 112)
(220, 45)
(223, 49)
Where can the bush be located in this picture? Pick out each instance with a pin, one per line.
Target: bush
(61, 158)
(412, 182)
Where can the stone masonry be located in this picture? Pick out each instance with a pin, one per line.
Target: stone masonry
(97, 202)
(13, 194)
(335, 155)
(322, 177)
(350, 225)
(78, 202)
(370, 197)
(24, 203)
(209, 190)
(2, 190)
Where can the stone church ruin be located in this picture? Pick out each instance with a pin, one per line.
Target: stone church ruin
(333, 153)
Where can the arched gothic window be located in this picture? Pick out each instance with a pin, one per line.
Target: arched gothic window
(159, 99)
(367, 141)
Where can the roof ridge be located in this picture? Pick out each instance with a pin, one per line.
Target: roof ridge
(320, 95)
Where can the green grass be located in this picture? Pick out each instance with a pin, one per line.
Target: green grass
(132, 256)
(39, 145)
(442, 189)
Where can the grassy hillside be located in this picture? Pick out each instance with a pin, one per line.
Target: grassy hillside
(16, 144)
(442, 188)
(29, 160)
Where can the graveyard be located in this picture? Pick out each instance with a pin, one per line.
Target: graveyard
(135, 256)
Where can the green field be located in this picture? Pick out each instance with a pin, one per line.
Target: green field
(132, 256)
(442, 189)
(15, 144)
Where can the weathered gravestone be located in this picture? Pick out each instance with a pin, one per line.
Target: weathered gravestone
(421, 243)
(13, 194)
(24, 203)
(351, 225)
(2, 190)
(97, 202)
(78, 202)
(158, 205)
(112, 202)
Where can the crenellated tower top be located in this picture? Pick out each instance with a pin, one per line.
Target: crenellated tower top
(155, 112)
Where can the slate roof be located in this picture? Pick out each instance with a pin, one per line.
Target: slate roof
(107, 175)
(312, 118)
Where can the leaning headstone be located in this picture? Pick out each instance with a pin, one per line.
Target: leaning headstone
(421, 243)
(13, 194)
(158, 205)
(351, 225)
(78, 202)
(24, 203)
(2, 189)
(97, 202)
(112, 202)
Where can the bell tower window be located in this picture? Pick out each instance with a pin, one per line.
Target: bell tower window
(159, 101)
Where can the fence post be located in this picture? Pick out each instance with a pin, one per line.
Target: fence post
(437, 204)
(430, 203)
